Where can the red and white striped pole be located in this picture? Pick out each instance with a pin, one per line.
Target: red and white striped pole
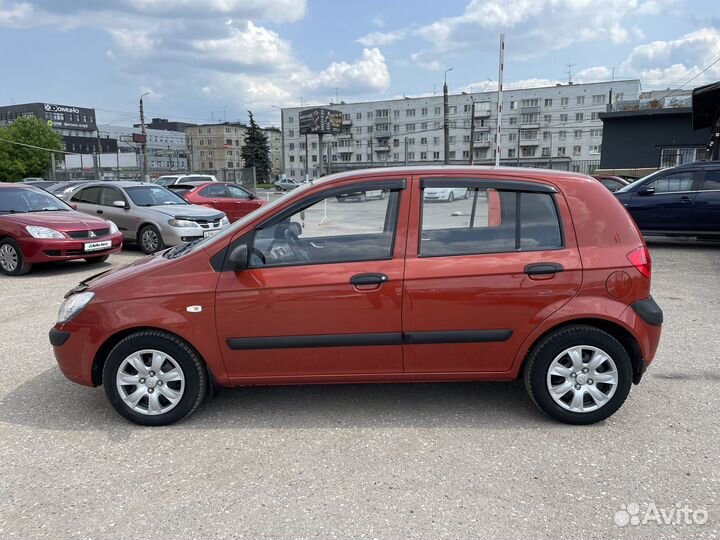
(500, 99)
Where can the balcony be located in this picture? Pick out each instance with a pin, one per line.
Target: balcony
(529, 142)
(382, 119)
(530, 125)
(529, 110)
(482, 113)
(382, 148)
(344, 135)
(347, 123)
(380, 133)
(481, 144)
(482, 129)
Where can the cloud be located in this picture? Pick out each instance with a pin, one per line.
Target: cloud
(369, 73)
(378, 39)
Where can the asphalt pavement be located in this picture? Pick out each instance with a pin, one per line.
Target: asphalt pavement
(470, 460)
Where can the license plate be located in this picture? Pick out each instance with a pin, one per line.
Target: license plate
(98, 246)
(208, 234)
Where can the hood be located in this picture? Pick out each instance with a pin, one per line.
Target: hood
(60, 221)
(188, 211)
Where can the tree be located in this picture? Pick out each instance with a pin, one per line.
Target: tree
(17, 161)
(256, 151)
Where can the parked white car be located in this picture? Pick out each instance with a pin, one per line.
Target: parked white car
(361, 195)
(172, 179)
(445, 194)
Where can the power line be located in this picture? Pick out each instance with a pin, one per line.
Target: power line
(37, 147)
(693, 78)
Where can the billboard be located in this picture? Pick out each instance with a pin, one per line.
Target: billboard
(320, 121)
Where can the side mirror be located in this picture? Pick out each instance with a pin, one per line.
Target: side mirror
(238, 258)
(119, 204)
(646, 191)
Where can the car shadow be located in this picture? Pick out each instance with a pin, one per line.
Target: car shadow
(500, 405)
(66, 268)
(655, 242)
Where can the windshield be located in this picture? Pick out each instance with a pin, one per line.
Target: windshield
(153, 196)
(165, 181)
(19, 200)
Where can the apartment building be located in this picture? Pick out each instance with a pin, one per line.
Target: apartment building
(274, 137)
(167, 150)
(556, 126)
(215, 148)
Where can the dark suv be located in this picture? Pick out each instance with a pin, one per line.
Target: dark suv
(680, 201)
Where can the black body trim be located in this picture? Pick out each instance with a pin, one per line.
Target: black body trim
(58, 338)
(456, 336)
(368, 340)
(507, 185)
(648, 311)
(303, 342)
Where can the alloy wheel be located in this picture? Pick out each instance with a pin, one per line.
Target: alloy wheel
(8, 258)
(582, 378)
(150, 240)
(150, 382)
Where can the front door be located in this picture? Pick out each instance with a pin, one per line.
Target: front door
(665, 204)
(323, 292)
(707, 204)
(483, 273)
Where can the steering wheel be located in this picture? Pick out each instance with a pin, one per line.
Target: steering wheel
(297, 246)
(259, 254)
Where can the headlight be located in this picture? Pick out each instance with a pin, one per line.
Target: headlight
(73, 305)
(182, 223)
(113, 227)
(224, 221)
(43, 232)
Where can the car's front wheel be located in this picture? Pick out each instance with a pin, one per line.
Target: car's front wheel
(153, 378)
(579, 375)
(451, 197)
(12, 261)
(150, 239)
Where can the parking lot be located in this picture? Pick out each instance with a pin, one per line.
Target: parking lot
(473, 460)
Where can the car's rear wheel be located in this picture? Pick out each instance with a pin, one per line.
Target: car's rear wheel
(12, 262)
(579, 375)
(150, 239)
(153, 378)
(363, 197)
(97, 260)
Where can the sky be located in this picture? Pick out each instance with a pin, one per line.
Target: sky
(211, 60)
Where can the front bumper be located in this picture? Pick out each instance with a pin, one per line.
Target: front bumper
(172, 236)
(38, 250)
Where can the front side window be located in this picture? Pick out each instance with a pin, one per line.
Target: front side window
(712, 181)
(487, 221)
(237, 192)
(108, 196)
(345, 227)
(670, 183)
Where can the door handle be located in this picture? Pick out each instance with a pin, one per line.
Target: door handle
(317, 246)
(541, 269)
(685, 199)
(368, 279)
(99, 211)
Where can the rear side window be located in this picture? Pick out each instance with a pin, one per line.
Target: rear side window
(712, 181)
(487, 221)
(215, 190)
(89, 195)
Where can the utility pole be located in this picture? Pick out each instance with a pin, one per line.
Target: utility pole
(446, 121)
(550, 160)
(472, 131)
(501, 70)
(52, 165)
(306, 158)
(406, 152)
(146, 175)
(320, 153)
(570, 66)
(518, 145)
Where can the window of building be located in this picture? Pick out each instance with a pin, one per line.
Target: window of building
(424, 126)
(596, 149)
(547, 118)
(452, 154)
(546, 151)
(466, 108)
(452, 139)
(410, 112)
(466, 138)
(411, 141)
(436, 141)
(596, 132)
(291, 133)
(423, 155)
(424, 111)
(579, 117)
(513, 105)
(369, 115)
(580, 100)
(533, 102)
(595, 116)
(512, 137)
(452, 109)
(396, 156)
(423, 140)
(562, 135)
(548, 102)
(578, 133)
(577, 150)
(466, 154)
(410, 127)
(564, 101)
(513, 120)
(437, 110)
(563, 118)
(561, 151)
(291, 146)
(291, 119)
(599, 99)
(436, 155)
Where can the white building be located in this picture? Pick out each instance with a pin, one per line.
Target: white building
(556, 126)
(274, 137)
(167, 150)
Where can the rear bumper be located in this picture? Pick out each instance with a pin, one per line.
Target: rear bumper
(649, 311)
(645, 318)
(37, 250)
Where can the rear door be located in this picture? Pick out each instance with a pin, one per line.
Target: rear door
(707, 203)
(481, 274)
(240, 202)
(216, 195)
(665, 203)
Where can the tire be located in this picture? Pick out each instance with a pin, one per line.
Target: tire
(150, 240)
(382, 195)
(12, 261)
(186, 386)
(363, 197)
(97, 260)
(588, 342)
(451, 197)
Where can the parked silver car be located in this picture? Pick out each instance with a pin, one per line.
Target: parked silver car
(150, 215)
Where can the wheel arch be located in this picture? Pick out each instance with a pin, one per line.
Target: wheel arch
(626, 339)
(107, 346)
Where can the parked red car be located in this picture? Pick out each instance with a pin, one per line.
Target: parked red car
(537, 274)
(36, 227)
(230, 198)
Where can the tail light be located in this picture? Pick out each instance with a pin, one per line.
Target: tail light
(640, 259)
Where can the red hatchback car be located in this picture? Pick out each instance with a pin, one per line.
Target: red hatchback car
(230, 198)
(537, 274)
(36, 227)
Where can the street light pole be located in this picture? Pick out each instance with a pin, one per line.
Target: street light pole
(146, 175)
(446, 122)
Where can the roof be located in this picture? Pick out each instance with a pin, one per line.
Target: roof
(706, 106)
